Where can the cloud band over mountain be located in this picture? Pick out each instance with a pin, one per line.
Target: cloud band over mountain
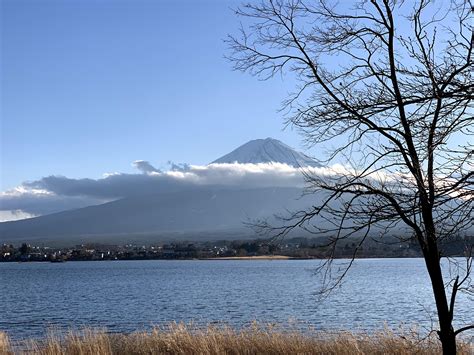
(57, 193)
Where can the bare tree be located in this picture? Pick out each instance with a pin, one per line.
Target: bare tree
(390, 84)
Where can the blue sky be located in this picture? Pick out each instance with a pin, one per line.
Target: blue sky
(89, 86)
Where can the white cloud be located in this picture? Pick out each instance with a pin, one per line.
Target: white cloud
(57, 193)
(14, 215)
(145, 166)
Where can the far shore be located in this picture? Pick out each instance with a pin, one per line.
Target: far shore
(257, 257)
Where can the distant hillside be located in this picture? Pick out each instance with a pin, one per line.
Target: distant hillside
(192, 212)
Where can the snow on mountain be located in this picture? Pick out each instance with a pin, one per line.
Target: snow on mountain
(266, 151)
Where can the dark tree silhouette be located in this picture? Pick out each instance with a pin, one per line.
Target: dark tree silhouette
(390, 85)
(24, 249)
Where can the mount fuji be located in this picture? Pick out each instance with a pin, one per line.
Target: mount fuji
(267, 151)
(200, 212)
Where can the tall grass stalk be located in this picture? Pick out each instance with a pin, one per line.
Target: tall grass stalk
(187, 339)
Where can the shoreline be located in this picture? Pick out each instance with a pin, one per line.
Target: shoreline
(223, 258)
(257, 257)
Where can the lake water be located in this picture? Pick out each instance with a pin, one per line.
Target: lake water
(125, 296)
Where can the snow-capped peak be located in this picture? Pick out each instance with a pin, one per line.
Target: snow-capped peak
(266, 151)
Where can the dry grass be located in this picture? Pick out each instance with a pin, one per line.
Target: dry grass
(182, 339)
(4, 343)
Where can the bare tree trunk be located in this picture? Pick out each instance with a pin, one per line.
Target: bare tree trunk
(398, 99)
(446, 333)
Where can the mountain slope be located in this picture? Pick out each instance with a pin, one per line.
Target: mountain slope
(266, 151)
(206, 209)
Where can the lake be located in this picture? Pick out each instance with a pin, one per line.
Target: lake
(125, 296)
